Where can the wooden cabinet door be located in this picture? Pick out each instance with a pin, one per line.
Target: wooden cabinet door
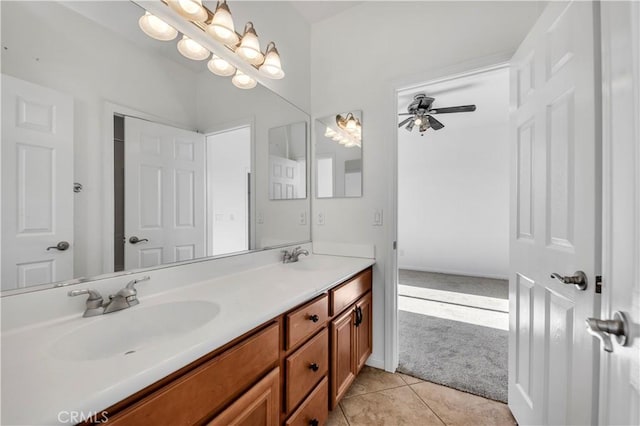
(363, 331)
(259, 406)
(343, 360)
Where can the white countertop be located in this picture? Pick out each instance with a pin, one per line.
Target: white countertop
(37, 386)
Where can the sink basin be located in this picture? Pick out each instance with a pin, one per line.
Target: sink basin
(312, 263)
(134, 329)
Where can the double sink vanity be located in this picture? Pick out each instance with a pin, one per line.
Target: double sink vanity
(270, 344)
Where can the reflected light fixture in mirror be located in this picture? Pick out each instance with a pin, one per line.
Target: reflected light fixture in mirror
(221, 27)
(220, 67)
(190, 9)
(156, 28)
(243, 81)
(192, 49)
(249, 48)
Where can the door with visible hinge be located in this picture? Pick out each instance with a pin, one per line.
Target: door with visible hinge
(555, 218)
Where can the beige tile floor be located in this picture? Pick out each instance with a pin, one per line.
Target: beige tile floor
(380, 398)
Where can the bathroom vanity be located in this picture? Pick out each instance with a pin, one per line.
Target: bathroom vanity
(278, 372)
(269, 344)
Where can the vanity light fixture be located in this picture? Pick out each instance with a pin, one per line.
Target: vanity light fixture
(192, 49)
(220, 67)
(272, 66)
(221, 27)
(348, 131)
(249, 48)
(230, 51)
(156, 28)
(243, 81)
(190, 9)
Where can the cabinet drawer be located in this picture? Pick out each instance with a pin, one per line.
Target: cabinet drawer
(315, 407)
(260, 405)
(205, 390)
(347, 293)
(305, 321)
(305, 368)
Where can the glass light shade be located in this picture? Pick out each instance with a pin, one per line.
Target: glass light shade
(418, 121)
(221, 27)
(243, 81)
(351, 125)
(249, 48)
(192, 49)
(190, 9)
(272, 67)
(220, 67)
(156, 28)
(329, 133)
(336, 137)
(350, 144)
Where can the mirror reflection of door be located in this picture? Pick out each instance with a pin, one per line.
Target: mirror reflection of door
(287, 162)
(37, 184)
(159, 194)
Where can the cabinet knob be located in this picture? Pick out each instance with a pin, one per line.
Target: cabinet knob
(314, 422)
(314, 318)
(313, 366)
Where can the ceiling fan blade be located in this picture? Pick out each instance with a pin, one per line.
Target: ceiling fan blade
(424, 102)
(405, 121)
(435, 124)
(405, 113)
(463, 108)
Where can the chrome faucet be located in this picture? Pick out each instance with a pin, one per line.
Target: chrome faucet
(290, 257)
(123, 299)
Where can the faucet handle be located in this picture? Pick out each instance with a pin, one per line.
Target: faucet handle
(94, 302)
(131, 284)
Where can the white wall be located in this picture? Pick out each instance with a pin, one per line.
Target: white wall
(453, 184)
(357, 57)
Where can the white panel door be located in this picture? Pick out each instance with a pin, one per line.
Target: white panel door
(555, 218)
(620, 369)
(284, 180)
(37, 184)
(164, 194)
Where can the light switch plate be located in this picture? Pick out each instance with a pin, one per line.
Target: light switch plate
(260, 218)
(302, 220)
(377, 217)
(320, 218)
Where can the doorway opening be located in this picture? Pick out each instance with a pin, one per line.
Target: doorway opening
(228, 190)
(453, 236)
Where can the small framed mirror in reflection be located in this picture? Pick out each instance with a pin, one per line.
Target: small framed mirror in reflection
(338, 155)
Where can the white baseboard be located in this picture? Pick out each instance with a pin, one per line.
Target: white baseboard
(375, 363)
(454, 272)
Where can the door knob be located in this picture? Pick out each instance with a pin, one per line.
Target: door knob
(136, 240)
(579, 279)
(62, 246)
(604, 329)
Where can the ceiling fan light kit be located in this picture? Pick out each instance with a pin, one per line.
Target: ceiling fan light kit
(234, 55)
(420, 112)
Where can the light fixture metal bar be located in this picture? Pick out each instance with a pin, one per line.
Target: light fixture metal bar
(195, 32)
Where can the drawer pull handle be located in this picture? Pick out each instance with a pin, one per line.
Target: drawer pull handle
(314, 318)
(314, 422)
(314, 366)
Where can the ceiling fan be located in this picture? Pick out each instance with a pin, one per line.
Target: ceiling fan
(421, 111)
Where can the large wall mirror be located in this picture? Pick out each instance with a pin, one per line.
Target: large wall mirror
(119, 154)
(338, 155)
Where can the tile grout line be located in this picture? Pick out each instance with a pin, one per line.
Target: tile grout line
(344, 414)
(376, 391)
(428, 406)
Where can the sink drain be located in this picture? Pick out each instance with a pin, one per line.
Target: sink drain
(129, 352)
